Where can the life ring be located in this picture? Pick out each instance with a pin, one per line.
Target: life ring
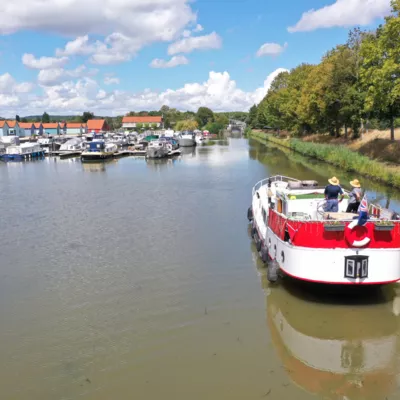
(364, 241)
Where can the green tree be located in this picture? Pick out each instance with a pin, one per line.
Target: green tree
(154, 126)
(380, 68)
(186, 125)
(252, 117)
(45, 118)
(203, 116)
(86, 116)
(221, 119)
(17, 118)
(139, 126)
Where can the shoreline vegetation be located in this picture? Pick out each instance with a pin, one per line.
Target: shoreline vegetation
(339, 156)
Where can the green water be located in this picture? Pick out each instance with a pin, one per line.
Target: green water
(138, 280)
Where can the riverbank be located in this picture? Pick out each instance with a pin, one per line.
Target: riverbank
(339, 156)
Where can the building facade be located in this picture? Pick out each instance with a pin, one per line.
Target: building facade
(97, 125)
(51, 129)
(130, 123)
(28, 127)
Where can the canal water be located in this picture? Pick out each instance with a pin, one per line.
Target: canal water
(138, 280)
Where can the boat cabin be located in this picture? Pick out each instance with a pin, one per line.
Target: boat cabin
(95, 146)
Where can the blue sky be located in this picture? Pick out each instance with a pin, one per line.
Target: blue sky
(109, 64)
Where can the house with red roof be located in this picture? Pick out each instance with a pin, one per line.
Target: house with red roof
(28, 127)
(38, 128)
(4, 128)
(15, 129)
(97, 125)
(52, 128)
(75, 128)
(145, 121)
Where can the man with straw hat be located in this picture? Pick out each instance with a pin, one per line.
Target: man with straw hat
(332, 192)
(355, 197)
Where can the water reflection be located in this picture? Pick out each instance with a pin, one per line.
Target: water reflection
(337, 351)
(336, 343)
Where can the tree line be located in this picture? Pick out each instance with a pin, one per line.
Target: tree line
(355, 86)
(204, 118)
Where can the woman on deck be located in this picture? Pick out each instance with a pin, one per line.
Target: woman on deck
(355, 197)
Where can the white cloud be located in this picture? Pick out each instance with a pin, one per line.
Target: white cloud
(127, 25)
(187, 45)
(186, 33)
(30, 61)
(271, 49)
(260, 93)
(343, 13)
(108, 80)
(198, 28)
(54, 76)
(173, 62)
(219, 92)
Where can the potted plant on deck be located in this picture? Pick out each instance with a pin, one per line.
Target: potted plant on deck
(384, 225)
(334, 226)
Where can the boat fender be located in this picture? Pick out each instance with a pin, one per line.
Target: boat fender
(264, 254)
(273, 271)
(253, 231)
(258, 242)
(250, 214)
(364, 241)
(283, 257)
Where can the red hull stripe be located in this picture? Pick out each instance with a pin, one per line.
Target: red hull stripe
(313, 235)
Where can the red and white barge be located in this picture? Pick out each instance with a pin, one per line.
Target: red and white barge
(295, 236)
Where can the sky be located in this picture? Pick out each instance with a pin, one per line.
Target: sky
(115, 56)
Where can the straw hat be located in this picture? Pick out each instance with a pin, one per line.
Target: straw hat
(356, 183)
(334, 181)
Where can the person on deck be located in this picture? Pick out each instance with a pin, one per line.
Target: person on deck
(332, 192)
(355, 197)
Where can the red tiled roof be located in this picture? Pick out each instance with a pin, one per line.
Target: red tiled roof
(51, 125)
(2, 123)
(74, 125)
(96, 123)
(11, 124)
(146, 119)
(37, 125)
(26, 125)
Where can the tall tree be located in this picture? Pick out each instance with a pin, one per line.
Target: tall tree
(17, 118)
(86, 116)
(45, 118)
(380, 70)
(204, 115)
(252, 117)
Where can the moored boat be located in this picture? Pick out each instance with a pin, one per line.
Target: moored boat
(158, 149)
(296, 237)
(187, 139)
(24, 151)
(98, 150)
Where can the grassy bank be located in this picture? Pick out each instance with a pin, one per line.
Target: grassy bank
(339, 156)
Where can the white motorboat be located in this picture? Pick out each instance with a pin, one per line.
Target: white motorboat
(158, 149)
(75, 144)
(187, 139)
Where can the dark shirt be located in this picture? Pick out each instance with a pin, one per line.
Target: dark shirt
(332, 192)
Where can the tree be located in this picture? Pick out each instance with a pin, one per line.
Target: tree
(24, 120)
(203, 116)
(45, 118)
(17, 118)
(186, 125)
(86, 116)
(146, 126)
(252, 117)
(139, 126)
(221, 119)
(380, 68)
